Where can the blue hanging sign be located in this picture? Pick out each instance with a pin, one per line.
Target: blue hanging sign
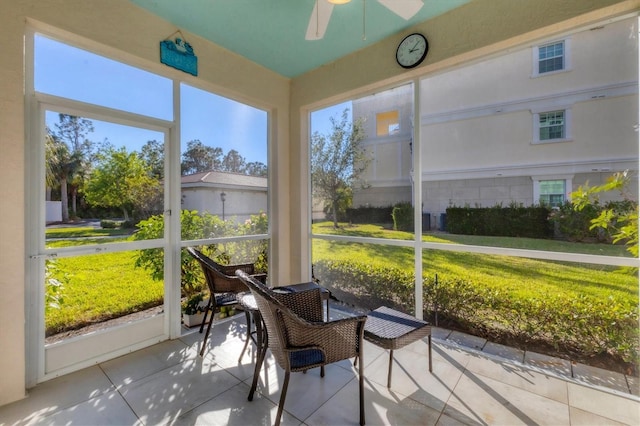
(179, 54)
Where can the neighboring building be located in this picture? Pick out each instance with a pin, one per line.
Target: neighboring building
(243, 195)
(565, 113)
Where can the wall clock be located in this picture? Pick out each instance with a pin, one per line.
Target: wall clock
(412, 50)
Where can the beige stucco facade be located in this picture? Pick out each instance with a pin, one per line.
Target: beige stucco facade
(478, 125)
(119, 29)
(244, 196)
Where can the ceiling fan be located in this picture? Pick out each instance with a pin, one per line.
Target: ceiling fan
(322, 9)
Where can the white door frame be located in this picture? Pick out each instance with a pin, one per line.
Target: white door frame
(46, 362)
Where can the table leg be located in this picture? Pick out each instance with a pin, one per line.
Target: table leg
(328, 310)
(430, 367)
(246, 342)
(390, 366)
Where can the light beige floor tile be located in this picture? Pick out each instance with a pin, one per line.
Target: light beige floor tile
(440, 333)
(57, 394)
(234, 328)
(419, 346)
(454, 355)
(107, 409)
(227, 355)
(520, 377)
(604, 404)
(558, 366)
(411, 376)
(634, 385)
(164, 396)
(600, 377)
(484, 400)
(445, 420)
(506, 352)
(580, 417)
(372, 352)
(382, 407)
(232, 408)
(134, 366)
(467, 340)
(306, 392)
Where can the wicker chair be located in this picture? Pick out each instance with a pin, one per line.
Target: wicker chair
(298, 337)
(223, 285)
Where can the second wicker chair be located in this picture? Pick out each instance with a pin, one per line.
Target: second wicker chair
(223, 285)
(298, 338)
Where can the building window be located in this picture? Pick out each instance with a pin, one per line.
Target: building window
(387, 123)
(552, 192)
(551, 58)
(552, 126)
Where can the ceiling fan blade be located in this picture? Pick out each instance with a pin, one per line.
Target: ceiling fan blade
(319, 20)
(405, 9)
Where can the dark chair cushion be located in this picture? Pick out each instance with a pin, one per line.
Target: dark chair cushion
(300, 359)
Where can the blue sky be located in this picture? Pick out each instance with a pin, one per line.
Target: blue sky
(73, 73)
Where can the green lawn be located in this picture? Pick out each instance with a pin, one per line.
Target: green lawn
(100, 286)
(520, 276)
(378, 231)
(84, 232)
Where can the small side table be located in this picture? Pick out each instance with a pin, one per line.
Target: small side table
(292, 288)
(390, 329)
(248, 303)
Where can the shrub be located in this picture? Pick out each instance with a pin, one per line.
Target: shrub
(581, 324)
(512, 221)
(127, 224)
(365, 214)
(573, 224)
(618, 218)
(108, 224)
(195, 226)
(403, 217)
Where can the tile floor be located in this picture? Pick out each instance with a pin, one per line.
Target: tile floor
(473, 382)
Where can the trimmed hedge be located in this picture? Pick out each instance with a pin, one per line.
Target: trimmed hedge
(403, 217)
(512, 221)
(369, 214)
(583, 325)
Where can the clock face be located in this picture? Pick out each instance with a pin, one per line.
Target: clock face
(412, 50)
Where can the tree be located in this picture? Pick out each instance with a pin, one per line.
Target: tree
(152, 153)
(200, 158)
(256, 168)
(71, 131)
(62, 163)
(233, 162)
(337, 162)
(122, 180)
(52, 162)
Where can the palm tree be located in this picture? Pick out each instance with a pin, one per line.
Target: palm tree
(61, 164)
(66, 152)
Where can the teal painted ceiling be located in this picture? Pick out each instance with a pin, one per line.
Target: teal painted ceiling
(272, 32)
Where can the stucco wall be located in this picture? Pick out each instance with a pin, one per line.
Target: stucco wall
(118, 29)
(239, 204)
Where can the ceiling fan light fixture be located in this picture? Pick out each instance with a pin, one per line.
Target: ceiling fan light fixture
(339, 1)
